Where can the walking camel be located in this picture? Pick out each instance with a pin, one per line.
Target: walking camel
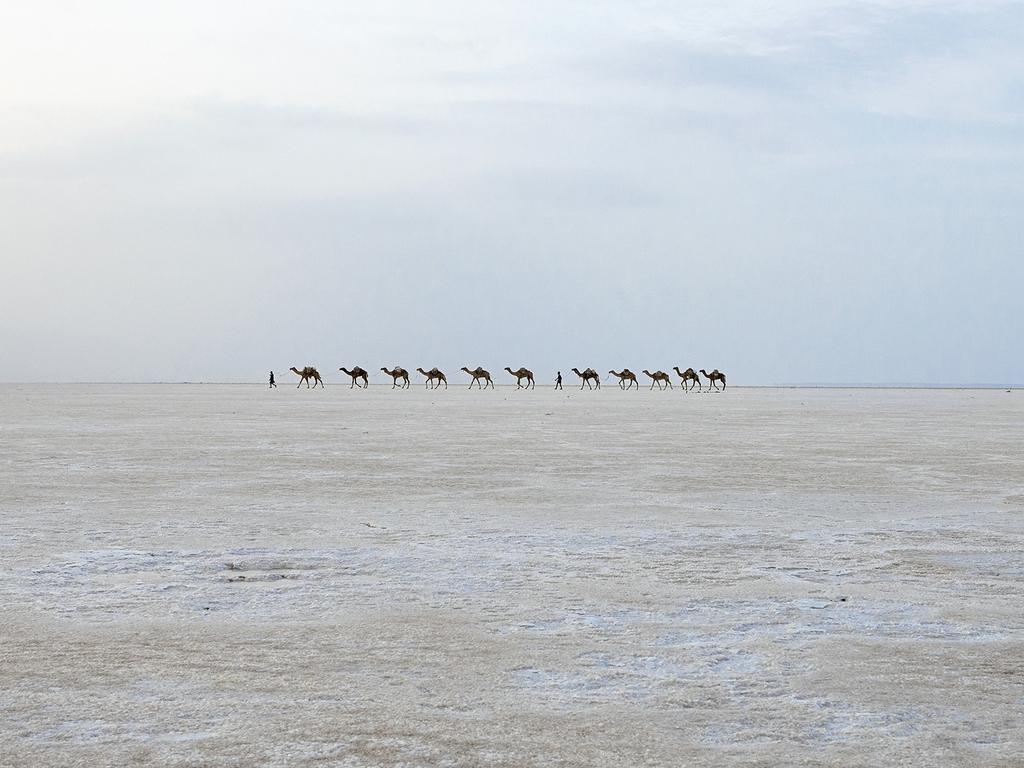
(398, 373)
(477, 374)
(307, 373)
(521, 374)
(434, 375)
(688, 375)
(626, 375)
(714, 376)
(660, 378)
(356, 374)
(587, 375)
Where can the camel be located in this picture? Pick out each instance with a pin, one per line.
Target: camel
(398, 373)
(307, 373)
(626, 375)
(714, 376)
(587, 375)
(356, 374)
(477, 374)
(521, 374)
(658, 377)
(688, 375)
(434, 375)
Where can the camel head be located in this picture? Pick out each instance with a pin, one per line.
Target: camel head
(648, 373)
(464, 368)
(704, 372)
(295, 370)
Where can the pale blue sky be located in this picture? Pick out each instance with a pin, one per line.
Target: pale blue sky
(790, 191)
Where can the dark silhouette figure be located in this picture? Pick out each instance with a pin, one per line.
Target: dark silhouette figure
(399, 374)
(658, 377)
(713, 378)
(479, 374)
(689, 375)
(308, 374)
(273, 385)
(521, 374)
(626, 379)
(587, 375)
(435, 377)
(357, 373)
(558, 380)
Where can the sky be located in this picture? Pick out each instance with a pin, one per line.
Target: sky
(809, 191)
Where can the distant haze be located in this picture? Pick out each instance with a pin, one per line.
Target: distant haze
(795, 191)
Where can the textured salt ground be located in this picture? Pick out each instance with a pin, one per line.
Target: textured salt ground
(222, 575)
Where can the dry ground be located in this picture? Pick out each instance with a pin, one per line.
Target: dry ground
(229, 576)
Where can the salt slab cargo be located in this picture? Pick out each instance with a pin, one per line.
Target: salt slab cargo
(221, 575)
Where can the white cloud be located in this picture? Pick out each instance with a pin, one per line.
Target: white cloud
(176, 168)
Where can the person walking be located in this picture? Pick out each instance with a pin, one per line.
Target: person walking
(272, 384)
(558, 381)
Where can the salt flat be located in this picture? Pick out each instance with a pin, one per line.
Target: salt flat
(215, 575)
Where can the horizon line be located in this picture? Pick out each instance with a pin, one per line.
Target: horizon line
(780, 385)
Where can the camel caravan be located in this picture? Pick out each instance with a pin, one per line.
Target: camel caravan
(434, 378)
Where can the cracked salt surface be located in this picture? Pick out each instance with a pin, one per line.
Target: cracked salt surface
(823, 583)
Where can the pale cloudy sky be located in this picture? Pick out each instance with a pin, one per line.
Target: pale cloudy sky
(791, 191)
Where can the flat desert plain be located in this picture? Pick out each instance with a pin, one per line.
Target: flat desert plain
(225, 575)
